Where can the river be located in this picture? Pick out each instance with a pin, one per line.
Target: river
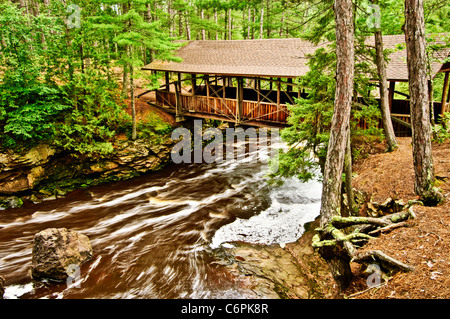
(153, 236)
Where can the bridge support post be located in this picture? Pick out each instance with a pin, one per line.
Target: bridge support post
(391, 94)
(167, 79)
(239, 99)
(178, 107)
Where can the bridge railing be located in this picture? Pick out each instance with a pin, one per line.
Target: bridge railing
(224, 107)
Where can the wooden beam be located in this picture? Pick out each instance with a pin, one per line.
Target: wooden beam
(445, 91)
(395, 119)
(239, 99)
(391, 94)
(289, 86)
(278, 98)
(207, 83)
(258, 89)
(178, 106)
(277, 79)
(224, 93)
(194, 83)
(166, 75)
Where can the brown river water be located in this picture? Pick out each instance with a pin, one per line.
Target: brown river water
(154, 236)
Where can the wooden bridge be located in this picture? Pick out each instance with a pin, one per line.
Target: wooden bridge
(251, 82)
(228, 99)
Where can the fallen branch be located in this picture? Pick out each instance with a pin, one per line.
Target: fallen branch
(381, 258)
(366, 290)
(388, 228)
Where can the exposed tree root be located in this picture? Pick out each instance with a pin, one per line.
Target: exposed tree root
(378, 257)
(342, 236)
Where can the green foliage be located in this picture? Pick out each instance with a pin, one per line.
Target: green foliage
(96, 117)
(35, 119)
(310, 121)
(29, 102)
(57, 82)
(83, 136)
(441, 131)
(153, 129)
(310, 118)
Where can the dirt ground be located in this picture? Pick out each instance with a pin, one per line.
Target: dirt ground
(425, 243)
(143, 109)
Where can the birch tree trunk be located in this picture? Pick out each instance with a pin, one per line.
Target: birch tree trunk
(215, 20)
(419, 101)
(261, 24)
(332, 179)
(202, 16)
(230, 25)
(249, 22)
(188, 26)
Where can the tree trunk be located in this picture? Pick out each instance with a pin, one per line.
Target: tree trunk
(391, 141)
(348, 177)
(202, 15)
(261, 24)
(249, 22)
(215, 20)
(230, 25)
(419, 99)
(444, 96)
(342, 106)
(188, 26)
(332, 179)
(148, 13)
(133, 105)
(125, 81)
(268, 18)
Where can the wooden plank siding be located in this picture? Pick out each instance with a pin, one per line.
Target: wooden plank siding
(251, 110)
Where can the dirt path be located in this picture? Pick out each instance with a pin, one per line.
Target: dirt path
(426, 242)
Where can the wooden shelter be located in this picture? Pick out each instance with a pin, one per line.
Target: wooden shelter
(252, 81)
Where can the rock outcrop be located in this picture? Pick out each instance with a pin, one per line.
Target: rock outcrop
(44, 172)
(56, 250)
(21, 172)
(291, 270)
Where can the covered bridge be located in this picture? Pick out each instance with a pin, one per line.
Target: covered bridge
(252, 81)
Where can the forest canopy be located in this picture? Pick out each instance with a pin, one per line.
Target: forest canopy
(66, 66)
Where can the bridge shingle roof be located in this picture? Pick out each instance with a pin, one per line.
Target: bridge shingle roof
(284, 58)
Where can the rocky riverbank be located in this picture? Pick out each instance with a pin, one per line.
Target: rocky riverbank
(45, 173)
(297, 271)
(293, 270)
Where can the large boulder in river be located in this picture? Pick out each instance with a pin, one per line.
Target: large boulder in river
(55, 250)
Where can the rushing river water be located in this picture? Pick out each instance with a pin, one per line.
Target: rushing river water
(153, 236)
